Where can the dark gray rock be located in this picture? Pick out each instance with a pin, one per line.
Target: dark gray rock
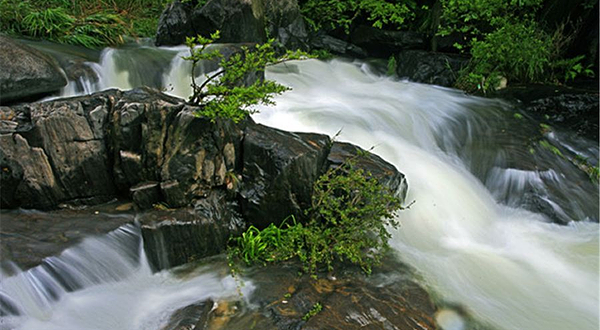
(26, 73)
(175, 24)
(385, 173)
(59, 149)
(239, 22)
(191, 317)
(28, 237)
(285, 23)
(176, 237)
(336, 46)
(199, 154)
(383, 43)
(138, 130)
(429, 67)
(279, 171)
(573, 109)
(146, 194)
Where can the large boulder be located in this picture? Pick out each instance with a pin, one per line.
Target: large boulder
(383, 43)
(54, 152)
(336, 46)
(279, 170)
(175, 24)
(430, 67)
(239, 21)
(176, 237)
(26, 73)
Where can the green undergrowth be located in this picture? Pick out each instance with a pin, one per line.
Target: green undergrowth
(348, 221)
(87, 23)
(506, 41)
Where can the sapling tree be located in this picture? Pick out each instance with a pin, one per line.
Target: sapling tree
(225, 93)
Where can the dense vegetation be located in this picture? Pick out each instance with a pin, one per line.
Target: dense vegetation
(347, 221)
(505, 38)
(89, 23)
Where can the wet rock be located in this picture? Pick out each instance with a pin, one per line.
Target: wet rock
(27, 237)
(59, 148)
(349, 300)
(174, 24)
(199, 154)
(26, 73)
(146, 194)
(383, 43)
(238, 21)
(430, 67)
(279, 169)
(336, 46)
(191, 317)
(568, 108)
(384, 172)
(176, 237)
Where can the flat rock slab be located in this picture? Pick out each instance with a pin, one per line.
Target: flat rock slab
(388, 299)
(27, 237)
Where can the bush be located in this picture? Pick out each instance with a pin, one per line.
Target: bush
(348, 221)
(224, 94)
(333, 14)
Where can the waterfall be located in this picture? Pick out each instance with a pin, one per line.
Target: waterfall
(507, 265)
(104, 283)
(482, 231)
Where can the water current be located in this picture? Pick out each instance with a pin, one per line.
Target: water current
(500, 224)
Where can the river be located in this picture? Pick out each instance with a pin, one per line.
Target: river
(483, 231)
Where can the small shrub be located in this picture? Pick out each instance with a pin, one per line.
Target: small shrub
(224, 94)
(347, 221)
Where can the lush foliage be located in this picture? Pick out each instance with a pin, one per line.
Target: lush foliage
(333, 14)
(348, 221)
(87, 23)
(232, 91)
(505, 41)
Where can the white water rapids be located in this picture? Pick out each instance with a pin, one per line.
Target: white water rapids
(469, 235)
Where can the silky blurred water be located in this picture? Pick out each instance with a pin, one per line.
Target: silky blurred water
(482, 231)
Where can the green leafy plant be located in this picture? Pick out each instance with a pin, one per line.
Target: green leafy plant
(316, 309)
(224, 94)
(348, 221)
(87, 23)
(332, 14)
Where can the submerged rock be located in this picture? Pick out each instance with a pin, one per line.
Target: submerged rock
(569, 108)
(28, 237)
(26, 73)
(388, 299)
(430, 67)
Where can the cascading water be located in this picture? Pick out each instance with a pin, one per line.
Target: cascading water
(510, 267)
(105, 283)
(480, 232)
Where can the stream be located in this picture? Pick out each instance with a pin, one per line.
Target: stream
(501, 225)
